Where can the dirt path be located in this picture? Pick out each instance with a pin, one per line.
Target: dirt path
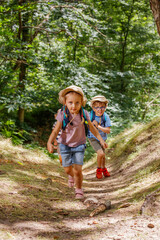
(123, 221)
(36, 203)
(72, 221)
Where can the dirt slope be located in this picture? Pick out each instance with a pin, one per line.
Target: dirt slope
(36, 203)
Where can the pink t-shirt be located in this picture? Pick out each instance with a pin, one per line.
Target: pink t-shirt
(73, 135)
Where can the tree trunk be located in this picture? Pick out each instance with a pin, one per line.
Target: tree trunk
(155, 7)
(21, 114)
(23, 35)
(22, 75)
(124, 46)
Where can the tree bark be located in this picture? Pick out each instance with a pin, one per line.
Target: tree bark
(23, 35)
(21, 114)
(124, 46)
(155, 7)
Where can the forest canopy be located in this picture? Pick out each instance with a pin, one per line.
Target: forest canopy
(106, 47)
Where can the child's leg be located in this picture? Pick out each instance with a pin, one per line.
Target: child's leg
(99, 150)
(104, 169)
(78, 156)
(100, 156)
(69, 171)
(101, 169)
(78, 176)
(60, 159)
(65, 153)
(103, 162)
(100, 163)
(100, 159)
(59, 154)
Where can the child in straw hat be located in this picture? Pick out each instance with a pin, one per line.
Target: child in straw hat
(73, 120)
(101, 121)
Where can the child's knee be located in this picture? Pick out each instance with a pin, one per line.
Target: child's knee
(77, 171)
(68, 169)
(100, 154)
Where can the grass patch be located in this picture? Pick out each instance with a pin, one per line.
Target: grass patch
(142, 193)
(127, 139)
(34, 187)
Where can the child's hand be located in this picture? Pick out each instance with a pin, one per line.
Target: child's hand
(50, 147)
(55, 145)
(95, 123)
(104, 144)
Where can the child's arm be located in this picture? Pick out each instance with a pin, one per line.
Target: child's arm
(96, 134)
(53, 136)
(103, 129)
(55, 144)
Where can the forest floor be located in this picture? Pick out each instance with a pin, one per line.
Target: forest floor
(36, 203)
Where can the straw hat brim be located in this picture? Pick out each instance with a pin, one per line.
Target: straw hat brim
(72, 88)
(99, 98)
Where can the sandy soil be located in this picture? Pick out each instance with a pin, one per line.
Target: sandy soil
(36, 203)
(122, 222)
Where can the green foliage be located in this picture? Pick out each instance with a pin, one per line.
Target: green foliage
(105, 47)
(89, 152)
(36, 145)
(10, 130)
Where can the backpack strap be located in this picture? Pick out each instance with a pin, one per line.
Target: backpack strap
(104, 118)
(65, 117)
(84, 119)
(92, 116)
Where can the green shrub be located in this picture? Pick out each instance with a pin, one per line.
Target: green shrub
(9, 130)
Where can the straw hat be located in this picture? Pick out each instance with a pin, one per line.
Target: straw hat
(99, 98)
(72, 88)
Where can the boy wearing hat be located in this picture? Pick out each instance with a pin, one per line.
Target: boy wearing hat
(74, 122)
(102, 122)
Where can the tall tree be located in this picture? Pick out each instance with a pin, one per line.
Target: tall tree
(23, 37)
(155, 7)
(108, 47)
(36, 24)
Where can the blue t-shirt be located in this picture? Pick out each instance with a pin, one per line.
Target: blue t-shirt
(107, 123)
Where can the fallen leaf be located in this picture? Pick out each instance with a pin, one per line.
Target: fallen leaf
(150, 225)
(91, 223)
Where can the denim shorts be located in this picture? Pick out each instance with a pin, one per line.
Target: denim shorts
(72, 155)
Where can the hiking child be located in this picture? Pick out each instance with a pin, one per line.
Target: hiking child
(74, 122)
(101, 121)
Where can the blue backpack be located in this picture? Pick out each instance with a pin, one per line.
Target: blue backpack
(66, 118)
(103, 118)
